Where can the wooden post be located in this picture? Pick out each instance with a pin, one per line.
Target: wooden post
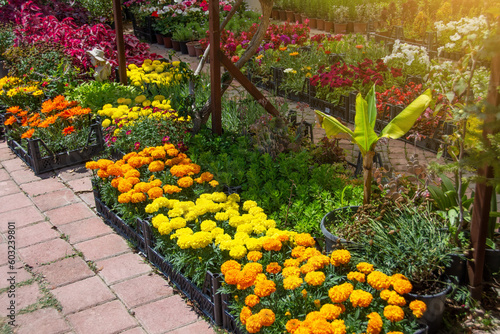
(483, 193)
(120, 44)
(215, 79)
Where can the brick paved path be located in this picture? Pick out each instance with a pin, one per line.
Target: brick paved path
(74, 274)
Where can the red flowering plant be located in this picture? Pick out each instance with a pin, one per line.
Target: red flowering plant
(62, 125)
(341, 78)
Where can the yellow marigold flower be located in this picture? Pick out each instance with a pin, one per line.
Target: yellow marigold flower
(292, 325)
(293, 54)
(291, 263)
(245, 314)
(290, 271)
(237, 252)
(253, 324)
(158, 220)
(178, 223)
(267, 317)
(374, 324)
(251, 300)
(319, 261)
(208, 225)
(213, 183)
(340, 293)
(395, 332)
(254, 256)
(418, 308)
(304, 239)
(361, 298)
(165, 228)
(272, 244)
(292, 282)
(395, 299)
(315, 278)
(338, 326)
(394, 313)
(339, 257)
(365, 267)
(185, 182)
(306, 268)
(385, 294)
(230, 265)
(402, 286)
(378, 280)
(356, 276)
(264, 288)
(273, 268)
(330, 311)
(247, 205)
(304, 293)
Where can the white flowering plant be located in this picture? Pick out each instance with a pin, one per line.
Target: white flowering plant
(462, 35)
(414, 60)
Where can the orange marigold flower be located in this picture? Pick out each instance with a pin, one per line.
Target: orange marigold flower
(28, 134)
(318, 261)
(365, 267)
(374, 324)
(330, 311)
(306, 268)
(155, 192)
(231, 276)
(102, 174)
(206, 177)
(253, 324)
(253, 267)
(156, 166)
(340, 293)
(418, 308)
(254, 256)
(304, 239)
(104, 163)
(133, 180)
(321, 326)
(172, 152)
(129, 155)
(315, 278)
(394, 313)
(292, 282)
(171, 189)
(402, 286)
(251, 300)
(356, 276)
(135, 161)
(229, 265)
(395, 299)
(244, 314)
(138, 198)
(131, 172)
(361, 298)
(291, 263)
(124, 198)
(264, 288)
(273, 268)
(292, 325)
(340, 256)
(213, 183)
(91, 165)
(272, 244)
(338, 326)
(245, 279)
(267, 317)
(158, 153)
(68, 130)
(378, 280)
(185, 182)
(290, 271)
(114, 170)
(123, 185)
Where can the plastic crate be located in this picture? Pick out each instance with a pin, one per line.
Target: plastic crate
(41, 164)
(207, 299)
(229, 322)
(132, 234)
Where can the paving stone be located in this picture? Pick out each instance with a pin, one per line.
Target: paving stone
(108, 318)
(14, 164)
(27, 175)
(85, 229)
(142, 290)
(42, 186)
(74, 172)
(174, 314)
(43, 321)
(88, 198)
(81, 185)
(8, 187)
(25, 296)
(4, 175)
(199, 327)
(20, 275)
(102, 247)
(26, 216)
(45, 252)
(14, 202)
(122, 267)
(6, 154)
(4, 254)
(65, 271)
(55, 199)
(137, 330)
(34, 234)
(83, 294)
(69, 213)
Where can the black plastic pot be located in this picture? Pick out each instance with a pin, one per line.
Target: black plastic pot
(332, 241)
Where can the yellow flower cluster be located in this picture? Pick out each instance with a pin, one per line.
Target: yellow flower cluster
(156, 72)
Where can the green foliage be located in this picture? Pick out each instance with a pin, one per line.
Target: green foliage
(95, 94)
(6, 38)
(100, 10)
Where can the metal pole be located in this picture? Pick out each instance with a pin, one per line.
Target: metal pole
(215, 79)
(120, 44)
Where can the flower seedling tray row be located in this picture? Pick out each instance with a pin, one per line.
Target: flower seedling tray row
(229, 321)
(41, 162)
(207, 298)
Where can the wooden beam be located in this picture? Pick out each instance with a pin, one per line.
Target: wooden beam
(215, 79)
(120, 43)
(247, 84)
(483, 193)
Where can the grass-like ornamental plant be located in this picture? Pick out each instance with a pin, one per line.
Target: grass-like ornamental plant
(299, 290)
(364, 135)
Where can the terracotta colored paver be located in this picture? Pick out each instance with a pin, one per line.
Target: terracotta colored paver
(14, 202)
(69, 213)
(74, 172)
(3, 254)
(199, 327)
(83, 294)
(6, 154)
(137, 330)
(45, 252)
(34, 234)
(14, 164)
(88, 198)
(20, 275)
(55, 199)
(4, 175)
(8, 187)
(85, 229)
(142, 290)
(40, 187)
(43, 321)
(175, 314)
(103, 247)
(27, 175)
(108, 318)
(122, 267)
(25, 296)
(81, 185)
(65, 271)
(22, 217)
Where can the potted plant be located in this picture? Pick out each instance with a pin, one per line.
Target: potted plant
(6, 40)
(183, 34)
(338, 15)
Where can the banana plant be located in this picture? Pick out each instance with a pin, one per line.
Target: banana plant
(364, 135)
